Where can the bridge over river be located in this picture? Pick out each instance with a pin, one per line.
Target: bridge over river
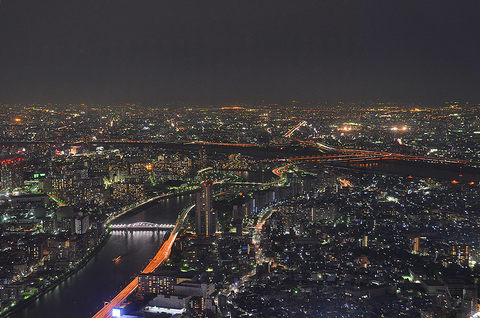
(141, 226)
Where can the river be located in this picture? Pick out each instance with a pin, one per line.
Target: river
(441, 172)
(83, 294)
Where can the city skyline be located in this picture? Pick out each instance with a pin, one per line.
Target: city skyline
(362, 204)
(105, 52)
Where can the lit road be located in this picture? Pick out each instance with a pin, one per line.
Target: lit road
(291, 131)
(57, 200)
(161, 256)
(106, 311)
(278, 171)
(362, 155)
(219, 144)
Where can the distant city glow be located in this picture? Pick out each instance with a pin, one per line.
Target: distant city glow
(372, 194)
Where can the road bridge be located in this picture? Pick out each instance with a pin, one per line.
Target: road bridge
(161, 256)
(142, 226)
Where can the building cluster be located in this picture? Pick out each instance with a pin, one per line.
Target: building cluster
(38, 248)
(365, 252)
(450, 130)
(375, 245)
(353, 241)
(11, 173)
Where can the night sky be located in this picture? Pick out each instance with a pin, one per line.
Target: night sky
(220, 52)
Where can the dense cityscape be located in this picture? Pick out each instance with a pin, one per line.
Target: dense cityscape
(296, 210)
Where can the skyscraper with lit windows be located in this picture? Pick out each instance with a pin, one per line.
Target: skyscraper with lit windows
(205, 222)
(11, 173)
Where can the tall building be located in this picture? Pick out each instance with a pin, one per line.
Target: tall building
(11, 173)
(416, 244)
(205, 222)
(197, 307)
(82, 224)
(364, 241)
(460, 254)
(202, 158)
(155, 284)
(238, 218)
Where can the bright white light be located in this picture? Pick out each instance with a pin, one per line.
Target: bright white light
(392, 199)
(116, 312)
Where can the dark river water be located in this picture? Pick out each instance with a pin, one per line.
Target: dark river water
(83, 294)
(441, 172)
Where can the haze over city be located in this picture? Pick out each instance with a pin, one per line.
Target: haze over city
(239, 159)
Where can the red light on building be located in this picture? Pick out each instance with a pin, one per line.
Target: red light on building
(11, 161)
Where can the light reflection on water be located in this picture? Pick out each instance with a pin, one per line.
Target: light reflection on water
(83, 294)
(86, 290)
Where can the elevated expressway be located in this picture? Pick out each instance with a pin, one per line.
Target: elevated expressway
(348, 155)
(161, 256)
(351, 155)
(338, 155)
(333, 155)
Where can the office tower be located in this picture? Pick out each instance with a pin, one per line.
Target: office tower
(238, 217)
(205, 222)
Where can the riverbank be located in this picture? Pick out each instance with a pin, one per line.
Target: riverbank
(83, 261)
(145, 205)
(24, 306)
(160, 257)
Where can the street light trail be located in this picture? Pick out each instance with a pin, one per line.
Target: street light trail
(161, 256)
(291, 131)
(106, 311)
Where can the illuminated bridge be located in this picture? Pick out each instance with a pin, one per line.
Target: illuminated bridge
(141, 226)
(161, 256)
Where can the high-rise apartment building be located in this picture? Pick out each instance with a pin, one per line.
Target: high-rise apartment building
(205, 222)
(11, 172)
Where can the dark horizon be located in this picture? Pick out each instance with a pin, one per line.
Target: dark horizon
(218, 52)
